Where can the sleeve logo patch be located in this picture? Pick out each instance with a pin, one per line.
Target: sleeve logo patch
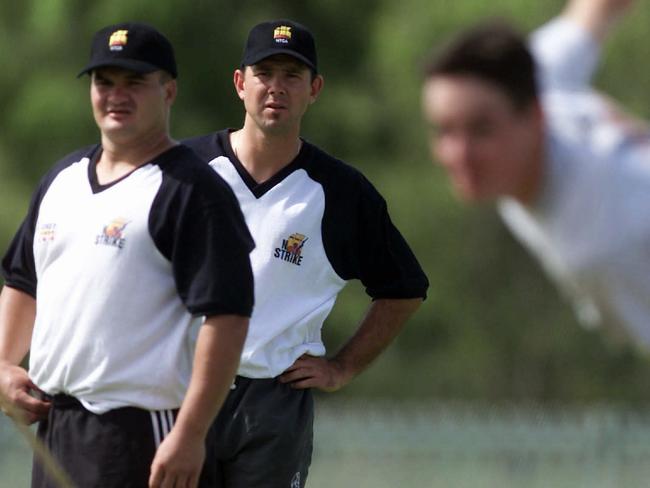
(291, 249)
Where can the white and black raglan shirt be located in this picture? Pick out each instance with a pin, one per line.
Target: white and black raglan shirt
(123, 274)
(317, 224)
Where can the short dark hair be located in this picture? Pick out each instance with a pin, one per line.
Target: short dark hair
(492, 51)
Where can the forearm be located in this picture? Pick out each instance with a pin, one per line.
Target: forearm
(218, 350)
(596, 16)
(17, 314)
(382, 322)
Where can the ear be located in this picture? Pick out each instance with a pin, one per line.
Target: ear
(536, 112)
(238, 80)
(316, 87)
(171, 89)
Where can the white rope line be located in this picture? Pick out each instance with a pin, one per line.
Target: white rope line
(50, 465)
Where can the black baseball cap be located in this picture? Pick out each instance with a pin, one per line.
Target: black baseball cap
(280, 37)
(134, 46)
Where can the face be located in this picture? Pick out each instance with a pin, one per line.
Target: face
(130, 106)
(489, 147)
(276, 93)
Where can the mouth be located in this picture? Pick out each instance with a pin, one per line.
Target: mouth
(118, 112)
(275, 106)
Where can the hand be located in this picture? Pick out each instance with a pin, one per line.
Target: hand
(315, 372)
(178, 461)
(16, 397)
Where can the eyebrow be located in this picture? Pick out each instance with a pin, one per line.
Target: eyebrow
(132, 75)
(286, 66)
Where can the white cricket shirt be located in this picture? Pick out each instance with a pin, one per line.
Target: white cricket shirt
(317, 224)
(122, 274)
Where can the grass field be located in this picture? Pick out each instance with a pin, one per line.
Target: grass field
(453, 446)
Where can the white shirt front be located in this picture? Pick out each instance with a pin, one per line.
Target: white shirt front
(292, 297)
(123, 273)
(317, 224)
(101, 242)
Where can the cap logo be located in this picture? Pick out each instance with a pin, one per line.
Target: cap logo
(282, 34)
(118, 39)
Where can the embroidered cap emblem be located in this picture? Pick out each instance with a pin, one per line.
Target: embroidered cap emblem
(118, 40)
(282, 34)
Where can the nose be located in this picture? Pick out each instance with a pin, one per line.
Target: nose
(276, 85)
(454, 151)
(118, 93)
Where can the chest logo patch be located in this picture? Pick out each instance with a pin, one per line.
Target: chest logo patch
(46, 233)
(291, 249)
(113, 233)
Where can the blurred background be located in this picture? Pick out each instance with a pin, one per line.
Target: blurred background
(494, 350)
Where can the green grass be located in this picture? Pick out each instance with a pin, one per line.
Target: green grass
(431, 445)
(15, 457)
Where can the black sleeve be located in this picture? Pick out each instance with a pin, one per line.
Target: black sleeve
(207, 147)
(18, 268)
(200, 228)
(362, 242)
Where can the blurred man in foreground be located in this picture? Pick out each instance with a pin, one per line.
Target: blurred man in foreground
(569, 169)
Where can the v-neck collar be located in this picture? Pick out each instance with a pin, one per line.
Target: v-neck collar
(259, 189)
(96, 153)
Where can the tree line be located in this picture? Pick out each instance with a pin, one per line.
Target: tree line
(493, 328)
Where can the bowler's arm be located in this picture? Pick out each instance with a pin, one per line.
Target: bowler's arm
(180, 456)
(567, 49)
(596, 16)
(17, 315)
(382, 322)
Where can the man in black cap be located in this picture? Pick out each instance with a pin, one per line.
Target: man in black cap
(317, 224)
(127, 246)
